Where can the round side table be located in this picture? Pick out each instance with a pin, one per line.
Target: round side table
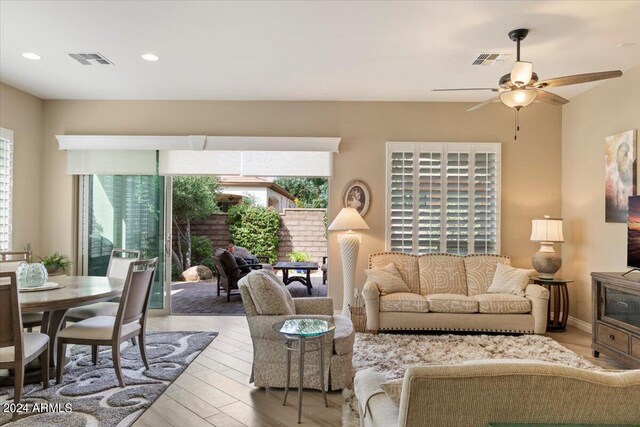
(560, 295)
(302, 331)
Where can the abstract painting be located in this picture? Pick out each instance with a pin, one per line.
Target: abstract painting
(620, 158)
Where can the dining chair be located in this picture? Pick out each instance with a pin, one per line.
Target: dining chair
(17, 348)
(9, 262)
(129, 321)
(119, 263)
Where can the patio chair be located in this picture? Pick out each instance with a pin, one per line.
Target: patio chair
(17, 348)
(118, 268)
(128, 323)
(229, 271)
(325, 269)
(9, 262)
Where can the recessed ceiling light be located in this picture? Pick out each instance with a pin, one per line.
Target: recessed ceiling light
(31, 55)
(150, 57)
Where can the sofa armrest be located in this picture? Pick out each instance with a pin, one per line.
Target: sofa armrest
(322, 305)
(539, 297)
(372, 303)
(261, 327)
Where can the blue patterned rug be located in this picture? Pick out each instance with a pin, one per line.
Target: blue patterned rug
(90, 395)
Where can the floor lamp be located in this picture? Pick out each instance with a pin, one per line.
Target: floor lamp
(348, 220)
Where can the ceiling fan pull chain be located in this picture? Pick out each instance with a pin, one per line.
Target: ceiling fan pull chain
(517, 124)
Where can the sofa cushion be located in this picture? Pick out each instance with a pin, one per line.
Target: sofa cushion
(269, 296)
(404, 301)
(442, 274)
(480, 270)
(393, 390)
(406, 264)
(502, 304)
(387, 279)
(452, 303)
(344, 336)
(510, 280)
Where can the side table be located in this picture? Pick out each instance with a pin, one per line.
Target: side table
(302, 331)
(558, 290)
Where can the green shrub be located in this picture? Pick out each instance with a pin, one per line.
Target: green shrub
(255, 228)
(202, 252)
(176, 271)
(299, 256)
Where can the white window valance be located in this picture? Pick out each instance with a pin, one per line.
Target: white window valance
(199, 155)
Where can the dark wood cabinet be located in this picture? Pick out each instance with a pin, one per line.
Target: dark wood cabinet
(616, 317)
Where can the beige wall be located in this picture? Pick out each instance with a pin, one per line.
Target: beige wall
(22, 113)
(590, 243)
(531, 170)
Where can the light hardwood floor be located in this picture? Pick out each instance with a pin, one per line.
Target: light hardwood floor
(215, 389)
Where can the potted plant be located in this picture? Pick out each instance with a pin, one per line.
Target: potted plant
(299, 256)
(56, 264)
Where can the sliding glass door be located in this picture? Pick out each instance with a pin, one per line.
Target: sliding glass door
(122, 211)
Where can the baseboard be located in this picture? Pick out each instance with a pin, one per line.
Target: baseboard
(580, 324)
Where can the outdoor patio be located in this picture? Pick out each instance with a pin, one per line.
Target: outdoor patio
(200, 298)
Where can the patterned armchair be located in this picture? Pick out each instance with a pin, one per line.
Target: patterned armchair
(269, 354)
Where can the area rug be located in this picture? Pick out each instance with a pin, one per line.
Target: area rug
(392, 354)
(92, 393)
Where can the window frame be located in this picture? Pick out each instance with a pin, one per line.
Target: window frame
(7, 135)
(444, 148)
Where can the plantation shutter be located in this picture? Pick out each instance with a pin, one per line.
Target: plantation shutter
(485, 202)
(430, 202)
(448, 202)
(401, 201)
(6, 188)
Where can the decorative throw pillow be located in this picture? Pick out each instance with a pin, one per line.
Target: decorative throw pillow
(268, 296)
(510, 280)
(393, 390)
(388, 279)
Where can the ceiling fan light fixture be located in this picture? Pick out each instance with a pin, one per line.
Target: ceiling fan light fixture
(521, 73)
(518, 98)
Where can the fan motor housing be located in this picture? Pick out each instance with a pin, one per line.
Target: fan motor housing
(506, 83)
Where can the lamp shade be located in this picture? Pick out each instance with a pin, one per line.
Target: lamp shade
(348, 219)
(518, 98)
(521, 73)
(546, 230)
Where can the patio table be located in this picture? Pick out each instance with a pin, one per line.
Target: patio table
(306, 267)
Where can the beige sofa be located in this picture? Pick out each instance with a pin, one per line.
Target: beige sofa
(479, 394)
(449, 293)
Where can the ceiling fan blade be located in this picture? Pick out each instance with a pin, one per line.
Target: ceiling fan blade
(487, 102)
(468, 88)
(578, 78)
(550, 98)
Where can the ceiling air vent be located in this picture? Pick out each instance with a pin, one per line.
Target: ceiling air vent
(487, 59)
(90, 58)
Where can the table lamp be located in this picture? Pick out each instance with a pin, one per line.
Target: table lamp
(348, 220)
(547, 231)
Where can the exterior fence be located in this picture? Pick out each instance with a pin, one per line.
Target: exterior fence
(300, 230)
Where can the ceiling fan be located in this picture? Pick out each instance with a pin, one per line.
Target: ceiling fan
(521, 87)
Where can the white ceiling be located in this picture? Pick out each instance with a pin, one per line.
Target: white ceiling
(394, 51)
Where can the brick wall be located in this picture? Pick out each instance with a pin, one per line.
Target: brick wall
(215, 228)
(301, 230)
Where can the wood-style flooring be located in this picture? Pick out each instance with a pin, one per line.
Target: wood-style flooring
(215, 389)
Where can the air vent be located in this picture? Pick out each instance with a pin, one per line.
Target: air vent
(90, 58)
(487, 59)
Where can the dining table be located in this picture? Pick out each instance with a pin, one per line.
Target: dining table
(73, 291)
